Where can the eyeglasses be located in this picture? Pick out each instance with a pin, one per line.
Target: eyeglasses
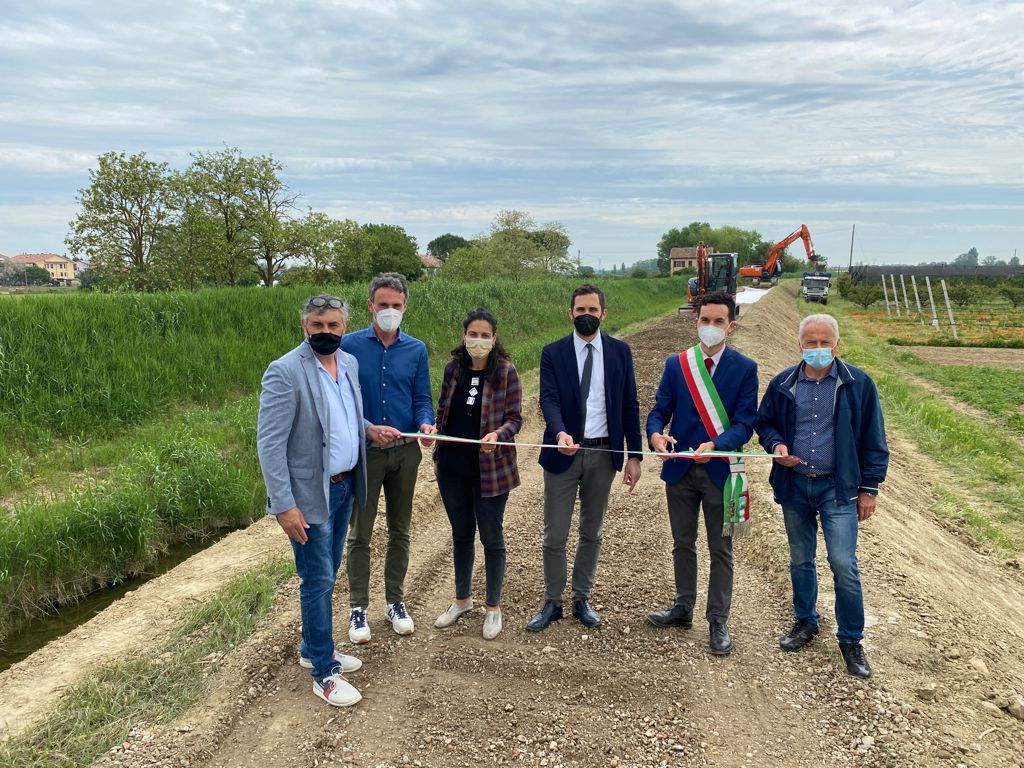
(322, 301)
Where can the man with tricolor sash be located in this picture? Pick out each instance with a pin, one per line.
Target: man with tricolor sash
(822, 420)
(707, 400)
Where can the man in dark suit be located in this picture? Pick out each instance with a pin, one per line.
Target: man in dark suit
(588, 396)
(709, 396)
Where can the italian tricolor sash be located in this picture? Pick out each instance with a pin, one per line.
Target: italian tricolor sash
(712, 414)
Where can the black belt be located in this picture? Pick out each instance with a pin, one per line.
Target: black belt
(340, 477)
(816, 475)
(593, 442)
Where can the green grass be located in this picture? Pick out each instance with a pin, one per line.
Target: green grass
(173, 485)
(977, 457)
(152, 687)
(997, 391)
(89, 365)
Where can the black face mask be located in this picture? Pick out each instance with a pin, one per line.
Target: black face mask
(324, 343)
(586, 325)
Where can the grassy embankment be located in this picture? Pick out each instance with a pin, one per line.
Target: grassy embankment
(978, 458)
(128, 421)
(153, 687)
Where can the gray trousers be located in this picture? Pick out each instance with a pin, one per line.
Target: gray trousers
(590, 475)
(685, 500)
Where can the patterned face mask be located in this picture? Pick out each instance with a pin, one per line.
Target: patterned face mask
(479, 348)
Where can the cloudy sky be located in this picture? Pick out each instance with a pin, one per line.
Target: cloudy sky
(620, 120)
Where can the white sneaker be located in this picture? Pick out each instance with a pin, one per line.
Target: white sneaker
(400, 619)
(492, 624)
(336, 691)
(452, 615)
(347, 663)
(358, 629)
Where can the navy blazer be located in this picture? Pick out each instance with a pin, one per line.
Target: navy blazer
(736, 381)
(560, 400)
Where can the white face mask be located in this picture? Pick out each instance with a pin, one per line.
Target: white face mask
(711, 335)
(388, 320)
(479, 348)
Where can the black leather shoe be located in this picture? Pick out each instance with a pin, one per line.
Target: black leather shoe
(550, 611)
(856, 662)
(588, 616)
(800, 635)
(676, 616)
(720, 642)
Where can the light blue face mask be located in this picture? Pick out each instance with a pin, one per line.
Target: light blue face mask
(818, 358)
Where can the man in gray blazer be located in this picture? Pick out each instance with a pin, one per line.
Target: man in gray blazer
(311, 439)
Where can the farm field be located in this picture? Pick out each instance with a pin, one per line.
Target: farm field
(975, 356)
(945, 615)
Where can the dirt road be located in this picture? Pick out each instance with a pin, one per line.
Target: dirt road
(946, 625)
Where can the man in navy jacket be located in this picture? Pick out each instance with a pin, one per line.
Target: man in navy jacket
(588, 396)
(823, 421)
(693, 484)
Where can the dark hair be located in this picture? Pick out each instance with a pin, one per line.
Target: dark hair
(461, 357)
(392, 280)
(719, 297)
(585, 289)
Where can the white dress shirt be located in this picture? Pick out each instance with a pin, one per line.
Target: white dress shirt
(715, 359)
(597, 413)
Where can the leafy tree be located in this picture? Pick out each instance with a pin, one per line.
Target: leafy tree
(553, 242)
(747, 244)
(36, 275)
(585, 272)
(225, 184)
(638, 272)
(468, 264)
(275, 237)
(864, 294)
(445, 245)
(1012, 293)
(191, 247)
(319, 238)
(969, 259)
(364, 251)
(989, 261)
(124, 211)
(962, 294)
(1014, 262)
(687, 237)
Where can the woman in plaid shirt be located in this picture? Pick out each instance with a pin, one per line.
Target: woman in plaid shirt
(479, 400)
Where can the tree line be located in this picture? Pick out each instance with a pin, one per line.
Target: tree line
(228, 219)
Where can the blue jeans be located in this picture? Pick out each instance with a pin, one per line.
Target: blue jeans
(317, 563)
(814, 497)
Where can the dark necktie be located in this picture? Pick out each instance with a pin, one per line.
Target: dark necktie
(588, 370)
(708, 362)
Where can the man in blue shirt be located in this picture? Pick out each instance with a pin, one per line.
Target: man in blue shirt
(823, 422)
(395, 383)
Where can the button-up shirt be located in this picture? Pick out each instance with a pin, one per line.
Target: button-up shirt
(814, 440)
(597, 413)
(343, 429)
(395, 380)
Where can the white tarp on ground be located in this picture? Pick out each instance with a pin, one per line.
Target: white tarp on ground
(750, 295)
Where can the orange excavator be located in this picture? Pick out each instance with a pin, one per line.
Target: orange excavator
(772, 268)
(715, 272)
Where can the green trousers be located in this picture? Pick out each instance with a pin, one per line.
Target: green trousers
(392, 470)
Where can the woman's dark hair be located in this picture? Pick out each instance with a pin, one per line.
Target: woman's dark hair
(461, 357)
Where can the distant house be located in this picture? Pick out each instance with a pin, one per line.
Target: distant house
(61, 268)
(429, 263)
(682, 258)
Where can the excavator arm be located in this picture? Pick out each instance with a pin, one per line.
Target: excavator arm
(772, 267)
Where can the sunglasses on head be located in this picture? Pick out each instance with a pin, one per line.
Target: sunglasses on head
(321, 301)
